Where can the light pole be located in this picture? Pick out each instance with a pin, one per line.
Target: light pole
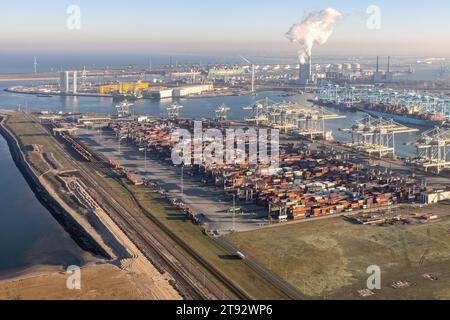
(145, 158)
(182, 180)
(234, 212)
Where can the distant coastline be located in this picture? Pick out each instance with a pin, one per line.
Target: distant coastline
(28, 76)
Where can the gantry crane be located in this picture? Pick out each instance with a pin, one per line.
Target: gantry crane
(173, 111)
(433, 149)
(221, 112)
(376, 136)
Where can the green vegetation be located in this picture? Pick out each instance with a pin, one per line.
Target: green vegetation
(30, 133)
(329, 258)
(235, 270)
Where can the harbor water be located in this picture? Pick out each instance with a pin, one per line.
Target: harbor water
(195, 108)
(29, 235)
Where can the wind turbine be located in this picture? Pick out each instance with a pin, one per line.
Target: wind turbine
(253, 72)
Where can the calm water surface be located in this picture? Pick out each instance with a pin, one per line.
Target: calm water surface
(29, 235)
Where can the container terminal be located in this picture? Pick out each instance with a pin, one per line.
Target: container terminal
(307, 183)
(314, 179)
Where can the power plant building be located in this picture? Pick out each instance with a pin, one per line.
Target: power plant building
(383, 77)
(305, 76)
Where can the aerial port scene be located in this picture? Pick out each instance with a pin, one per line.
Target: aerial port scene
(273, 151)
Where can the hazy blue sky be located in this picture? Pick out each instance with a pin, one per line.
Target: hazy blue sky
(407, 27)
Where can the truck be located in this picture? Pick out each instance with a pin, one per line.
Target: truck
(240, 255)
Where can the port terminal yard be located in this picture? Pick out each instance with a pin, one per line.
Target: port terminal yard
(217, 213)
(103, 145)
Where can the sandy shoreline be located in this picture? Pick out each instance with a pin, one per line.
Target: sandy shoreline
(98, 282)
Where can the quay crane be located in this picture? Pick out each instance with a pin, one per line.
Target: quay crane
(173, 111)
(433, 150)
(291, 117)
(124, 109)
(376, 135)
(221, 112)
(423, 102)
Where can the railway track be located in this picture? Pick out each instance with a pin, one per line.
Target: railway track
(141, 235)
(100, 163)
(230, 286)
(190, 280)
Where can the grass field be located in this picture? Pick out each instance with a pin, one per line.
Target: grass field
(30, 133)
(329, 258)
(234, 269)
(98, 282)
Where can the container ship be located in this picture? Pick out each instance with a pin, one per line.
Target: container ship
(344, 106)
(129, 96)
(407, 115)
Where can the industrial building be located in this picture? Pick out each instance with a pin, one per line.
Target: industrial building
(64, 82)
(94, 120)
(305, 76)
(179, 92)
(123, 87)
(191, 90)
(382, 77)
(75, 82)
(186, 74)
(229, 72)
(162, 93)
(437, 196)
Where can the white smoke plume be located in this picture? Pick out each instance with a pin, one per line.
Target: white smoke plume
(316, 28)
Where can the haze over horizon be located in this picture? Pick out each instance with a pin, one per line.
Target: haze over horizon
(254, 27)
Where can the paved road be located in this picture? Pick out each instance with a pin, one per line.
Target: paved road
(267, 274)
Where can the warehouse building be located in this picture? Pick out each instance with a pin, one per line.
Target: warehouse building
(122, 87)
(435, 196)
(162, 93)
(191, 90)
